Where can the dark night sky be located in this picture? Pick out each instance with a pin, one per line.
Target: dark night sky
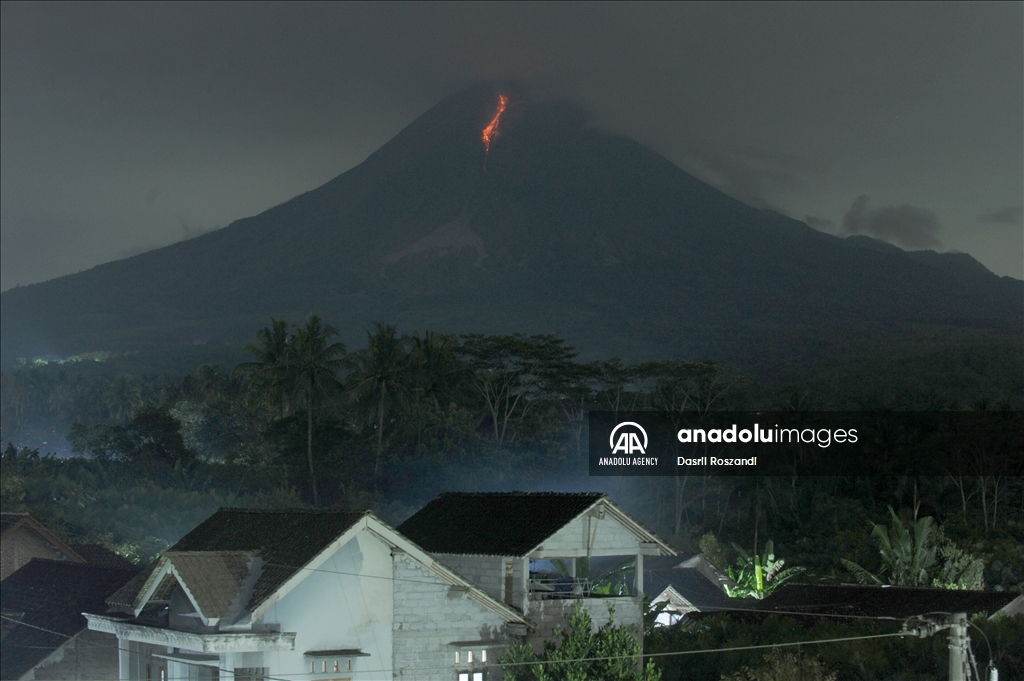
(126, 127)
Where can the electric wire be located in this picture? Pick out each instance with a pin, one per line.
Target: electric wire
(708, 609)
(493, 665)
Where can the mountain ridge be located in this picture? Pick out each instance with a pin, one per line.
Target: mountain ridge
(570, 229)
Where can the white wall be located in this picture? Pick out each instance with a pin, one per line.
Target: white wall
(346, 603)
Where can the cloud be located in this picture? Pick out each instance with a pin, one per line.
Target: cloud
(907, 226)
(1010, 215)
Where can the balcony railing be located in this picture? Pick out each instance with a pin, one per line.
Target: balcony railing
(543, 586)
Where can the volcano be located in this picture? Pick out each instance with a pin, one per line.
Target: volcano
(492, 213)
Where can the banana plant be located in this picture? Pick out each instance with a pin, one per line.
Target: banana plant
(615, 582)
(908, 552)
(759, 575)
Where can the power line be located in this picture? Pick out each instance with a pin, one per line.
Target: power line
(490, 665)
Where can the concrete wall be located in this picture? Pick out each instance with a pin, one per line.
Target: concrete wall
(89, 656)
(552, 614)
(606, 537)
(486, 572)
(23, 545)
(346, 603)
(426, 621)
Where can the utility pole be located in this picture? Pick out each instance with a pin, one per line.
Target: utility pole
(962, 664)
(958, 647)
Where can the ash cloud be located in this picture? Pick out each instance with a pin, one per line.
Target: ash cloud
(907, 226)
(1010, 215)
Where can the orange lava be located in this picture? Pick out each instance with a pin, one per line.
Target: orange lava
(491, 131)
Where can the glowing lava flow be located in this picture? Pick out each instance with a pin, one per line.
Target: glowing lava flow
(491, 131)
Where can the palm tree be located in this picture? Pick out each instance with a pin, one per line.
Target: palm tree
(123, 397)
(380, 377)
(437, 367)
(269, 375)
(314, 365)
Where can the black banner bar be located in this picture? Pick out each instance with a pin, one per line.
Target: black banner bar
(807, 443)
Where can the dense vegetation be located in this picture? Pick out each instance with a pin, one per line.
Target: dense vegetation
(889, 656)
(388, 425)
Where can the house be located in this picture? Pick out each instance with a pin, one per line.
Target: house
(44, 635)
(888, 602)
(835, 601)
(259, 594)
(539, 552)
(97, 554)
(685, 584)
(22, 539)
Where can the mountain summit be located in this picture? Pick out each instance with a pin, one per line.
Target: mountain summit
(492, 213)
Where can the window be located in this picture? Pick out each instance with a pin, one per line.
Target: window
(470, 656)
(251, 673)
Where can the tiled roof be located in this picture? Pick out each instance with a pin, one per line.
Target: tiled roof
(10, 522)
(284, 539)
(97, 554)
(51, 595)
(883, 601)
(688, 583)
(124, 598)
(214, 578)
(495, 524)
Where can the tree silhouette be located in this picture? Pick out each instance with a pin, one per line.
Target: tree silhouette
(295, 368)
(268, 376)
(314, 363)
(513, 373)
(380, 379)
(123, 397)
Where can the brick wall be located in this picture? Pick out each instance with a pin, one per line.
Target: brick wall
(486, 572)
(605, 537)
(426, 621)
(554, 613)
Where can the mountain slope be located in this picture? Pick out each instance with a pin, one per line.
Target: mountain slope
(560, 228)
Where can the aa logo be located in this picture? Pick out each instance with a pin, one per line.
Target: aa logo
(628, 441)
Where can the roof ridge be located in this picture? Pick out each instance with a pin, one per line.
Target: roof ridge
(525, 494)
(217, 552)
(78, 566)
(307, 511)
